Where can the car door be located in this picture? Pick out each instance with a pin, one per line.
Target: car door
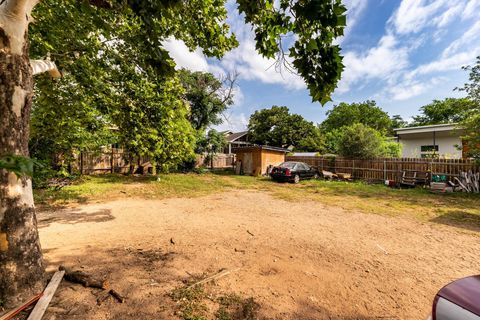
(308, 171)
(302, 170)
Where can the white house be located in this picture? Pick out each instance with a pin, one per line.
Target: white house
(439, 140)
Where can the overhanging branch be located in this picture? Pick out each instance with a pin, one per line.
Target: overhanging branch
(41, 66)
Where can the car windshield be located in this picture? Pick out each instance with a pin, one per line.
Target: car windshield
(289, 165)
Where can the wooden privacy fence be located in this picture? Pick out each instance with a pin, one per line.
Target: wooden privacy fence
(118, 161)
(380, 169)
(111, 161)
(220, 161)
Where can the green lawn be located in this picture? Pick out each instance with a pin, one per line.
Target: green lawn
(454, 209)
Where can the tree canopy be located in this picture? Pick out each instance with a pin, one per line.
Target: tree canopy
(278, 127)
(449, 110)
(366, 113)
(116, 73)
(471, 121)
(208, 97)
(361, 141)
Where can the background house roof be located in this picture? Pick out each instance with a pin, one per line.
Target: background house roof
(259, 147)
(449, 127)
(236, 135)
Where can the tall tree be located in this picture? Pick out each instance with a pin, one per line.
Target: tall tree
(211, 143)
(278, 127)
(449, 110)
(366, 113)
(198, 23)
(360, 141)
(471, 121)
(398, 122)
(208, 97)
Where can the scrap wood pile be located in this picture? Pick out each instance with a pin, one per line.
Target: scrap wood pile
(469, 181)
(46, 296)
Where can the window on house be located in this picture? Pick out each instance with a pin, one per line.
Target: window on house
(429, 148)
(429, 151)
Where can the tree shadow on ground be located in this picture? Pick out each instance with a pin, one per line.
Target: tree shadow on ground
(139, 275)
(147, 278)
(72, 216)
(459, 219)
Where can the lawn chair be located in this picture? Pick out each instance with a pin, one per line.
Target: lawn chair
(408, 181)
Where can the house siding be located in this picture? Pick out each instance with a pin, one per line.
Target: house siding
(446, 146)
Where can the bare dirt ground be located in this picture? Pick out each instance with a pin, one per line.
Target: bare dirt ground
(296, 260)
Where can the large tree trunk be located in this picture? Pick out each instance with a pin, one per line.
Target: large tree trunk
(21, 263)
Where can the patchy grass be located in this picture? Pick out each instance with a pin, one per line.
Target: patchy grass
(456, 209)
(197, 303)
(108, 187)
(234, 307)
(191, 302)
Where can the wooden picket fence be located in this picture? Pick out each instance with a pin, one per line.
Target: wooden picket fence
(381, 169)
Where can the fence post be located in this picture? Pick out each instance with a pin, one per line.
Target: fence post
(430, 164)
(385, 170)
(353, 168)
(111, 162)
(81, 162)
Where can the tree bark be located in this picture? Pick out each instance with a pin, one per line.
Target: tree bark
(21, 262)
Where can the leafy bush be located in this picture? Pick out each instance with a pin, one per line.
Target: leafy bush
(391, 149)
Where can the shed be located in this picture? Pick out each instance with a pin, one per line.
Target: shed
(254, 160)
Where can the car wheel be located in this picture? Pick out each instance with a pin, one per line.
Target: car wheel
(296, 179)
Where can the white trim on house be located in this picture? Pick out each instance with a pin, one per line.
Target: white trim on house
(426, 129)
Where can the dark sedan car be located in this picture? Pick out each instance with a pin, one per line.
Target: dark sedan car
(293, 172)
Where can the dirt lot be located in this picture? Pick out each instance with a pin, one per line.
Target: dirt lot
(296, 260)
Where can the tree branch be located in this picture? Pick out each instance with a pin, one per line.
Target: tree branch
(41, 66)
(18, 7)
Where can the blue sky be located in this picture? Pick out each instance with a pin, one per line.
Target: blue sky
(400, 53)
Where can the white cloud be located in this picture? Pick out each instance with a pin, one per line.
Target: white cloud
(183, 57)
(251, 66)
(448, 16)
(381, 62)
(454, 62)
(464, 42)
(234, 122)
(410, 89)
(355, 9)
(413, 16)
(471, 9)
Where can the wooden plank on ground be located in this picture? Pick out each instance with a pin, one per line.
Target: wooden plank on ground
(42, 304)
(9, 315)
